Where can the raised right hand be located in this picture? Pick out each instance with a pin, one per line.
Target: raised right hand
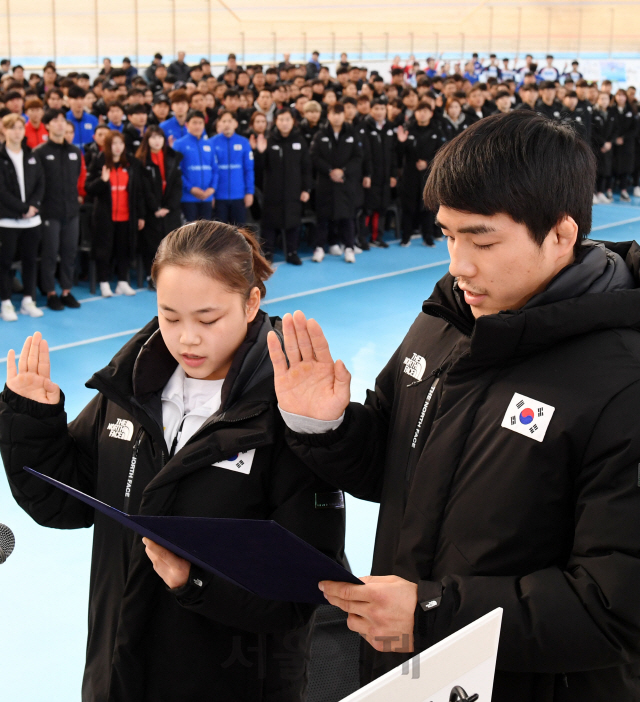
(312, 385)
(402, 134)
(106, 174)
(31, 378)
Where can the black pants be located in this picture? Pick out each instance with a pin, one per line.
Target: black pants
(113, 243)
(197, 210)
(344, 229)
(291, 235)
(231, 211)
(26, 241)
(422, 219)
(59, 236)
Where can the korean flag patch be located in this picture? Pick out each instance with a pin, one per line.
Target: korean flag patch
(528, 417)
(240, 463)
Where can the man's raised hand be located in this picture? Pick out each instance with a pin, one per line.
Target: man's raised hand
(32, 377)
(312, 385)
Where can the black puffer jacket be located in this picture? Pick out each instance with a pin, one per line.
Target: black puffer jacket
(201, 642)
(487, 503)
(11, 203)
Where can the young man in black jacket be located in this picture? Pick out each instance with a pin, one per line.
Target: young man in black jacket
(60, 211)
(501, 439)
(337, 158)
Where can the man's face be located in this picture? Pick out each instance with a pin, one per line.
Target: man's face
(35, 115)
(181, 55)
(343, 78)
(364, 107)
(258, 80)
(548, 95)
(265, 100)
(161, 72)
(496, 262)
(570, 103)
(99, 136)
(115, 115)
(476, 99)
(108, 95)
(180, 109)
(379, 113)
(54, 101)
(503, 104)
(49, 75)
(197, 102)
(284, 123)
(350, 112)
(336, 120)
(57, 126)
(76, 105)
(227, 125)
(351, 90)
(530, 97)
(161, 111)
(195, 127)
(138, 119)
(15, 105)
(230, 78)
(279, 95)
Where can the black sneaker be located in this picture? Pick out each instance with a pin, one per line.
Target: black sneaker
(293, 258)
(363, 243)
(69, 300)
(380, 244)
(54, 303)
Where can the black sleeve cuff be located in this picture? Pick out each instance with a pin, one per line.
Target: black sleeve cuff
(36, 410)
(193, 588)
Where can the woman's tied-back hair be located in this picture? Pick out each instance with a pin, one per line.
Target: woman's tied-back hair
(221, 251)
(531, 168)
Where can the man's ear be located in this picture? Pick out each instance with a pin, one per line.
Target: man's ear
(565, 236)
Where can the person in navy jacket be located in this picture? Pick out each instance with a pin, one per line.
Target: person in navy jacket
(84, 123)
(199, 169)
(235, 164)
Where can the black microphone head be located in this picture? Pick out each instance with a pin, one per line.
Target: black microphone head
(7, 542)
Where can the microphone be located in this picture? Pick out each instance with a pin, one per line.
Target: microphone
(7, 543)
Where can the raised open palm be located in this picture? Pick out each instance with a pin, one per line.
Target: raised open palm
(312, 385)
(31, 378)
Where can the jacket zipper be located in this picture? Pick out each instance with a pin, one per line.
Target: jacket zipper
(132, 470)
(229, 168)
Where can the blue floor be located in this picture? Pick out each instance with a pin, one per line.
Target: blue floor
(365, 310)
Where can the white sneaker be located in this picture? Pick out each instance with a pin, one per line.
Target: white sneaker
(603, 199)
(636, 191)
(8, 311)
(30, 308)
(318, 255)
(357, 249)
(405, 244)
(336, 250)
(105, 290)
(349, 256)
(596, 201)
(123, 288)
(624, 196)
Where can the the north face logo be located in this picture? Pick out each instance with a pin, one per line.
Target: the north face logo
(415, 366)
(122, 429)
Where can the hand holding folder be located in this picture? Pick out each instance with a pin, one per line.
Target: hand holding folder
(258, 555)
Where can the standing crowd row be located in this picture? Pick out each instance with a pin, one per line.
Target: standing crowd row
(289, 149)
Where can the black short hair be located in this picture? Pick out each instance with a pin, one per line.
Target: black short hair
(346, 100)
(52, 114)
(284, 111)
(547, 85)
(338, 108)
(533, 169)
(195, 114)
(378, 101)
(13, 95)
(136, 109)
(397, 72)
(75, 91)
(231, 92)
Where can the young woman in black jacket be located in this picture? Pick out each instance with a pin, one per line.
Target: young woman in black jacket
(21, 191)
(161, 189)
(624, 141)
(115, 181)
(176, 408)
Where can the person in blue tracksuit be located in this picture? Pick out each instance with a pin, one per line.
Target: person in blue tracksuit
(236, 179)
(175, 127)
(199, 169)
(84, 124)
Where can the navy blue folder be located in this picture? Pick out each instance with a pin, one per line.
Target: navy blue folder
(258, 555)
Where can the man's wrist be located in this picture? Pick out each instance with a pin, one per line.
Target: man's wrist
(308, 425)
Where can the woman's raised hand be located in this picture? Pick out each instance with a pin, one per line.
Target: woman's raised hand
(32, 376)
(312, 385)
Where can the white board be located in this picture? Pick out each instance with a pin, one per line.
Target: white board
(466, 658)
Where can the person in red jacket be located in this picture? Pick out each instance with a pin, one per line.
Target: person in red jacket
(35, 132)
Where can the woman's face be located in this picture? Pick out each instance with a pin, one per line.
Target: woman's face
(156, 142)
(260, 125)
(621, 99)
(201, 321)
(117, 147)
(454, 110)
